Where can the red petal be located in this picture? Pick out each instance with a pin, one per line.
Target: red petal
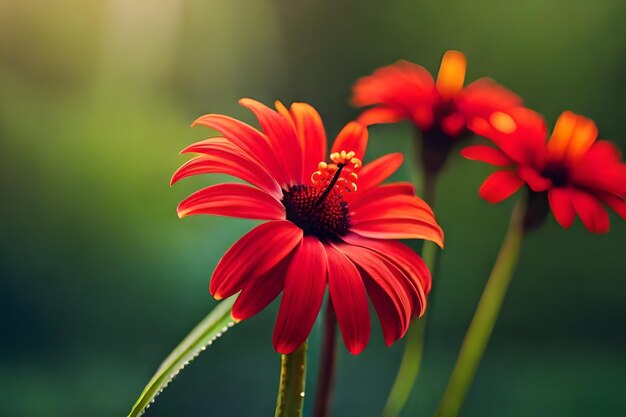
(400, 229)
(486, 154)
(534, 179)
(519, 132)
(250, 140)
(601, 169)
(593, 215)
(312, 136)
(260, 291)
(560, 200)
(230, 163)
(232, 200)
(258, 251)
(390, 296)
(361, 197)
(616, 203)
(401, 86)
(485, 96)
(349, 299)
(378, 115)
(303, 295)
(378, 171)
(282, 136)
(400, 255)
(499, 186)
(390, 207)
(353, 137)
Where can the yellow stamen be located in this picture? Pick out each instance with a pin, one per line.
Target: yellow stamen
(349, 164)
(451, 74)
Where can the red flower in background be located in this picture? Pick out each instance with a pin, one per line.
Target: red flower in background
(440, 109)
(327, 224)
(577, 172)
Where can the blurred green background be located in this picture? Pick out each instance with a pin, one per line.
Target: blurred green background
(100, 280)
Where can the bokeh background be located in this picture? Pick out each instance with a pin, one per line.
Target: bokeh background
(100, 279)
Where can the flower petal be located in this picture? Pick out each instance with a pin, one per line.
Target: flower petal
(390, 296)
(377, 171)
(312, 136)
(451, 73)
(519, 132)
(229, 162)
(484, 97)
(591, 212)
(361, 197)
(400, 229)
(379, 115)
(401, 256)
(534, 179)
(257, 252)
(349, 299)
(254, 143)
(232, 200)
(560, 200)
(353, 137)
(282, 136)
(499, 186)
(260, 291)
(303, 295)
(486, 154)
(616, 203)
(572, 136)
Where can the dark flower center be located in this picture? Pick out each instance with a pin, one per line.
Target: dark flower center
(316, 211)
(557, 173)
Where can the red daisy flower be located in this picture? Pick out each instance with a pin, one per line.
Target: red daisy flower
(440, 109)
(328, 223)
(576, 172)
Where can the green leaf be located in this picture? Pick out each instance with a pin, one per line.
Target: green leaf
(204, 334)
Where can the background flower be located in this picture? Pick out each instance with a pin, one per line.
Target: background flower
(576, 171)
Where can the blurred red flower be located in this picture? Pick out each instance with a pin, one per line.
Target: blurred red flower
(577, 172)
(328, 224)
(440, 109)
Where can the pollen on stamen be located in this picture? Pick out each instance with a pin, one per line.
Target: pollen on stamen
(349, 164)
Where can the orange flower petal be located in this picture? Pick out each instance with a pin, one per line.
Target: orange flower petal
(572, 136)
(353, 137)
(378, 170)
(312, 136)
(451, 74)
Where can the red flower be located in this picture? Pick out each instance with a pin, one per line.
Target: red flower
(439, 109)
(577, 172)
(328, 223)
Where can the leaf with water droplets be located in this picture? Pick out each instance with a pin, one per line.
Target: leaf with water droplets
(204, 334)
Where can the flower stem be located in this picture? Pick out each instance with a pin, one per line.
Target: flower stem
(482, 324)
(414, 345)
(327, 365)
(291, 387)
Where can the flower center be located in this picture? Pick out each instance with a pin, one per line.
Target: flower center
(557, 173)
(320, 209)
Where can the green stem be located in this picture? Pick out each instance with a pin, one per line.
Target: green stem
(291, 387)
(482, 324)
(327, 364)
(414, 345)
